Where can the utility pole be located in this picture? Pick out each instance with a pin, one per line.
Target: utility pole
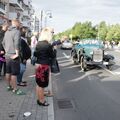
(48, 14)
(41, 20)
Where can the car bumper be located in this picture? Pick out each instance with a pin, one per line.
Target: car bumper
(62, 47)
(94, 63)
(100, 63)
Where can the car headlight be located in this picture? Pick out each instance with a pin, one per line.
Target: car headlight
(105, 53)
(91, 53)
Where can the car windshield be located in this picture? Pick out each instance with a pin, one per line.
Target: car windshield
(91, 42)
(66, 41)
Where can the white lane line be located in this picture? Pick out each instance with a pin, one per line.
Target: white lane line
(117, 73)
(66, 55)
(59, 58)
(113, 73)
(117, 50)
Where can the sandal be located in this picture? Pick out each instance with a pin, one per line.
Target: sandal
(9, 88)
(24, 81)
(22, 84)
(42, 104)
(48, 94)
(18, 92)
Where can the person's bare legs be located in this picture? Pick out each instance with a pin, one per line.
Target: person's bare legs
(48, 92)
(8, 78)
(40, 94)
(37, 92)
(13, 82)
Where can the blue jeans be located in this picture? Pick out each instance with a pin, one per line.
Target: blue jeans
(32, 51)
(22, 70)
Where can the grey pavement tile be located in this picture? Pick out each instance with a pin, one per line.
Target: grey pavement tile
(13, 107)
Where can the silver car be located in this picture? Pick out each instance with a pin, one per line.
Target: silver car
(66, 45)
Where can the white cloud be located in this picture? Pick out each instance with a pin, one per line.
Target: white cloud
(66, 13)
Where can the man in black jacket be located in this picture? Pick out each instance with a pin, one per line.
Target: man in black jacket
(2, 51)
(25, 54)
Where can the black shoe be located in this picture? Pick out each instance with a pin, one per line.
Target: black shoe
(22, 84)
(42, 104)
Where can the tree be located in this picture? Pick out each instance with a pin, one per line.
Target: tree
(102, 30)
(87, 30)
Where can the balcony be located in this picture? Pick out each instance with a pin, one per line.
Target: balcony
(26, 14)
(2, 8)
(12, 15)
(26, 2)
(26, 24)
(17, 4)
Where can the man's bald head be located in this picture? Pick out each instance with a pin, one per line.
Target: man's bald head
(16, 22)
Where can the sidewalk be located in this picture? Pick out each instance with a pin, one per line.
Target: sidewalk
(13, 107)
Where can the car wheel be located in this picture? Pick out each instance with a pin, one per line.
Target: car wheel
(74, 58)
(83, 63)
(109, 67)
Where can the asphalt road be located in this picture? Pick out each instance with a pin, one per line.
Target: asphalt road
(91, 95)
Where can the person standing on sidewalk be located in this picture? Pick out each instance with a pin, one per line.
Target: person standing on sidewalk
(2, 51)
(43, 52)
(33, 42)
(25, 54)
(11, 44)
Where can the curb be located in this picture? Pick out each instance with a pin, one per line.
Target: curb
(50, 100)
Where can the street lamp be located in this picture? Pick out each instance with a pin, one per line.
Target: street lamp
(43, 17)
(48, 14)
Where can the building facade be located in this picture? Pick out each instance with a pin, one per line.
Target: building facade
(19, 9)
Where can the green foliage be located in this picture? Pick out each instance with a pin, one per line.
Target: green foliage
(87, 30)
(102, 30)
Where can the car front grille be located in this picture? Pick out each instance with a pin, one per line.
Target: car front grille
(98, 55)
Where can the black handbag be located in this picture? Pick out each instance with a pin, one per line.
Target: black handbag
(54, 66)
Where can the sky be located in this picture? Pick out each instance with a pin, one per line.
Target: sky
(65, 13)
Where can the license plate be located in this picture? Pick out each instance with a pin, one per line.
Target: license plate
(105, 63)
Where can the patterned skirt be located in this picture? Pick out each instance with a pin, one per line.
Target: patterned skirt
(42, 75)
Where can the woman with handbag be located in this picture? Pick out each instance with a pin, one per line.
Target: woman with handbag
(43, 52)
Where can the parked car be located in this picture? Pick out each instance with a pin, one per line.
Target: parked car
(91, 52)
(66, 45)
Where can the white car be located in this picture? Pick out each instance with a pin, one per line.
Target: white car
(66, 45)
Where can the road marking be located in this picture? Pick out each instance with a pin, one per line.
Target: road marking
(59, 58)
(117, 73)
(113, 73)
(117, 50)
(77, 79)
(66, 55)
(63, 61)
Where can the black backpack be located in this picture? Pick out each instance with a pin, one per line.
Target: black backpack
(25, 51)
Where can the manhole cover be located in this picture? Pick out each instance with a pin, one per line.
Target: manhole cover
(11, 116)
(64, 104)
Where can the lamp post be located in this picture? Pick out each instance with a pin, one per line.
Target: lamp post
(48, 14)
(41, 19)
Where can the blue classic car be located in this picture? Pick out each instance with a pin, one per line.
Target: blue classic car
(91, 52)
